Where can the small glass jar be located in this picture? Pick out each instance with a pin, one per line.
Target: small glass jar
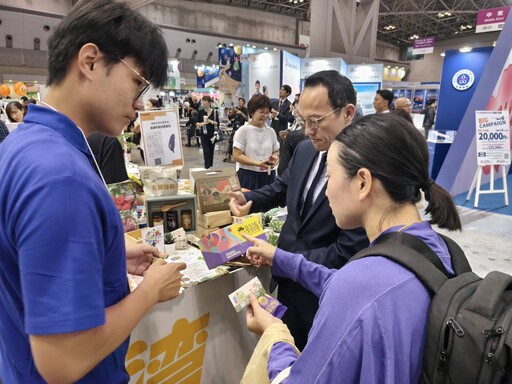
(186, 219)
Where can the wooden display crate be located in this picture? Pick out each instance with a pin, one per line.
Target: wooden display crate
(214, 219)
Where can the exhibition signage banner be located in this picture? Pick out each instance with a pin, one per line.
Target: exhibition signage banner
(230, 70)
(493, 19)
(173, 75)
(291, 72)
(365, 73)
(365, 96)
(265, 73)
(161, 136)
(309, 66)
(423, 45)
(492, 137)
(207, 76)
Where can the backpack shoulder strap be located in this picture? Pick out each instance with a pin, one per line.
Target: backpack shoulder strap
(413, 254)
(460, 263)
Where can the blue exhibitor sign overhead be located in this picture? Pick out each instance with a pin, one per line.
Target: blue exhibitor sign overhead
(461, 74)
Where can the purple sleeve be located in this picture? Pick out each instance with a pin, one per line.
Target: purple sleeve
(310, 275)
(282, 355)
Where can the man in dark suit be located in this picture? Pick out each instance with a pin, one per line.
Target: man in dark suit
(327, 105)
(281, 110)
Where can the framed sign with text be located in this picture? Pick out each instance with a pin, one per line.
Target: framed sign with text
(161, 135)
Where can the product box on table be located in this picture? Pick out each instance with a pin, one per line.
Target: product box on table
(175, 211)
(227, 243)
(212, 188)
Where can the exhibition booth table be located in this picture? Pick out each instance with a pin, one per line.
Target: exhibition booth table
(197, 337)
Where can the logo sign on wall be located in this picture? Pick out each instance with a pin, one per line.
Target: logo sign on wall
(365, 73)
(492, 137)
(493, 19)
(423, 45)
(463, 79)
(309, 66)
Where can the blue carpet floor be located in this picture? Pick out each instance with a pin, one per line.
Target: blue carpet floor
(494, 203)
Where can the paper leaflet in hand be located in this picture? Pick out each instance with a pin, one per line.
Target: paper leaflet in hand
(240, 298)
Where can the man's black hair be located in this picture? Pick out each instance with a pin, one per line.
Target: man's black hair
(117, 30)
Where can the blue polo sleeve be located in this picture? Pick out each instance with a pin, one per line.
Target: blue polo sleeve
(61, 254)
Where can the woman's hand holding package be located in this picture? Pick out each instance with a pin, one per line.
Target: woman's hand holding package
(258, 320)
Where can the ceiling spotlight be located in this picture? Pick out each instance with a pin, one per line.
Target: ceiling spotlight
(389, 27)
(230, 44)
(275, 49)
(443, 54)
(266, 47)
(248, 45)
(187, 41)
(465, 49)
(254, 46)
(193, 41)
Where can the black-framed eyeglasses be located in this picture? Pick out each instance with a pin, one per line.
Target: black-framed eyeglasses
(314, 122)
(142, 89)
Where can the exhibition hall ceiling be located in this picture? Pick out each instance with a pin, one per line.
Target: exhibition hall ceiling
(399, 20)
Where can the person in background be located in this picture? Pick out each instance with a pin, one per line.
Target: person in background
(109, 156)
(430, 116)
(191, 125)
(66, 312)
(238, 117)
(208, 122)
(3, 131)
(404, 103)
(326, 107)
(15, 112)
(32, 101)
(382, 101)
(255, 146)
(291, 139)
(281, 110)
(372, 320)
(24, 101)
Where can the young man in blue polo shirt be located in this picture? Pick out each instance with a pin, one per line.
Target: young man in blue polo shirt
(65, 311)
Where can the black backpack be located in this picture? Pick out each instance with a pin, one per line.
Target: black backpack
(469, 335)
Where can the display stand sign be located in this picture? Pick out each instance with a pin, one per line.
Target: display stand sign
(423, 45)
(489, 20)
(493, 149)
(162, 137)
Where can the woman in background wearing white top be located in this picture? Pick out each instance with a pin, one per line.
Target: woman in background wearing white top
(255, 146)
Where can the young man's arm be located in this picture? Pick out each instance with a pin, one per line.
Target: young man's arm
(65, 358)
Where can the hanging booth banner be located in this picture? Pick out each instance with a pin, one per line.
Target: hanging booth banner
(264, 73)
(291, 73)
(173, 75)
(492, 137)
(423, 45)
(230, 70)
(493, 19)
(207, 76)
(162, 137)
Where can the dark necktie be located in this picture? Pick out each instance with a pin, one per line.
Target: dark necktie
(280, 105)
(308, 202)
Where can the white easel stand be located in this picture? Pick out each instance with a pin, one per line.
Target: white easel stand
(477, 181)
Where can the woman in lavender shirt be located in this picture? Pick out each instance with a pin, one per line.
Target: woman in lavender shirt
(371, 324)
